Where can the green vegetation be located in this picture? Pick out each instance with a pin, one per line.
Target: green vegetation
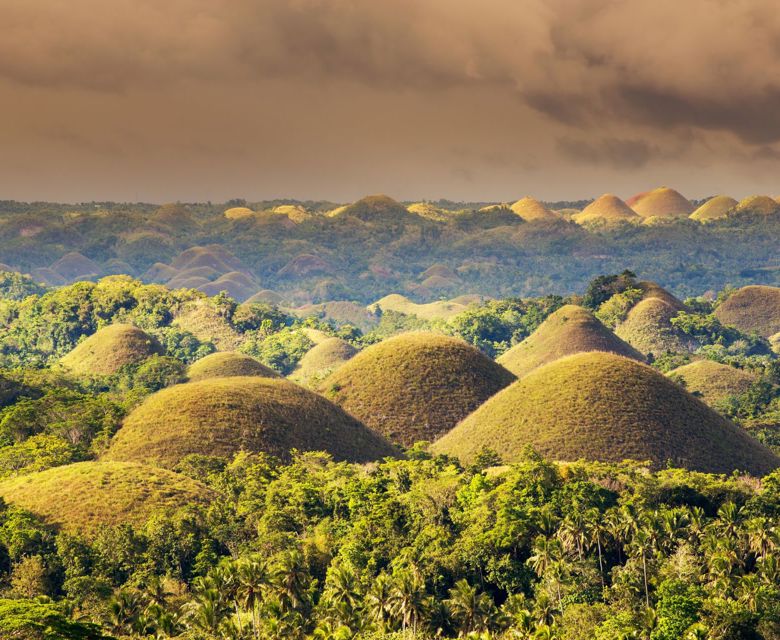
(569, 330)
(221, 416)
(226, 364)
(605, 407)
(416, 386)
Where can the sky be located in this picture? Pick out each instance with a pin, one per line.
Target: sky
(194, 100)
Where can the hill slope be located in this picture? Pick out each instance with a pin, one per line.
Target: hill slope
(86, 496)
(109, 349)
(530, 210)
(601, 406)
(715, 208)
(607, 208)
(662, 202)
(222, 416)
(648, 329)
(415, 386)
(713, 381)
(571, 329)
(228, 364)
(753, 308)
(322, 359)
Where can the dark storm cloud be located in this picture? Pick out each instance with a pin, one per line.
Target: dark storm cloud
(615, 84)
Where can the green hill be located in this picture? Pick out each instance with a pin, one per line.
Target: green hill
(228, 364)
(570, 329)
(754, 308)
(323, 359)
(109, 349)
(415, 386)
(221, 416)
(601, 406)
(86, 496)
(713, 381)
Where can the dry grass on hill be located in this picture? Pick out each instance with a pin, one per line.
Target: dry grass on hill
(763, 205)
(648, 329)
(439, 310)
(322, 360)
(713, 381)
(714, 209)
(415, 386)
(601, 406)
(221, 416)
(608, 209)
(755, 308)
(662, 202)
(203, 320)
(530, 210)
(109, 349)
(87, 496)
(570, 329)
(228, 364)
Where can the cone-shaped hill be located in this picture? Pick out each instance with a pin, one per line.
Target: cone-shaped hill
(87, 496)
(752, 308)
(374, 208)
(662, 202)
(570, 329)
(713, 381)
(714, 208)
(228, 364)
(323, 359)
(239, 213)
(415, 386)
(601, 406)
(530, 210)
(763, 205)
(221, 416)
(109, 349)
(654, 290)
(607, 208)
(648, 328)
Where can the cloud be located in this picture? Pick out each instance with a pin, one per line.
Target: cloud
(612, 152)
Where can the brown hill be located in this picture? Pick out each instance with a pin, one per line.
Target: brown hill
(713, 381)
(763, 205)
(570, 329)
(322, 360)
(375, 208)
(203, 320)
(754, 308)
(607, 208)
(415, 386)
(221, 416)
(662, 202)
(530, 210)
(109, 349)
(648, 329)
(239, 213)
(714, 209)
(74, 266)
(228, 364)
(601, 406)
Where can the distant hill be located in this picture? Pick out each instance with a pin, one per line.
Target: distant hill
(713, 381)
(601, 406)
(228, 364)
(530, 210)
(570, 329)
(415, 386)
(439, 310)
(752, 309)
(648, 329)
(222, 416)
(662, 202)
(608, 209)
(714, 209)
(322, 359)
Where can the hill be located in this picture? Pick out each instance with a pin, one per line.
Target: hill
(530, 209)
(715, 208)
(648, 329)
(654, 290)
(228, 364)
(607, 208)
(109, 349)
(763, 205)
(221, 416)
(754, 308)
(430, 211)
(601, 406)
(415, 386)
(239, 213)
(87, 496)
(570, 329)
(376, 208)
(662, 202)
(74, 266)
(203, 320)
(713, 381)
(323, 359)
(439, 310)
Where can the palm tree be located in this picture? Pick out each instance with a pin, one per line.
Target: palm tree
(253, 578)
(642, 545)
(472, 610)
(378, 601)
(596, 530)
(290, 580)
(573, 532)
(124, 611)
(408, 599)
(342, 593)
(205, 612)
(545, 552)
(761, 536)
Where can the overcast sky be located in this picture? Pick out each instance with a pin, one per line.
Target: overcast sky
(333, 99)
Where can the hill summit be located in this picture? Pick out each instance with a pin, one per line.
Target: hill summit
(109, 349)
(662, 202)
(607, 208)
(571, 329)
(530, 210)
(601, 406)
(415, 386)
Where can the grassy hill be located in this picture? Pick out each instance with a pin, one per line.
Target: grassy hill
(228, 364)
(763, 205)
(601, 406)
(608, 209)
(375, 208)
(203, 320)
(570, 329)
(438, 310)
(754, 308)
(415, 386)
(648, 329)
(323, 359)
(530, 210)
(83, 497)
(662, 202)
(714, 209)
(221, 416)
(713, 381)
(109, 349)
